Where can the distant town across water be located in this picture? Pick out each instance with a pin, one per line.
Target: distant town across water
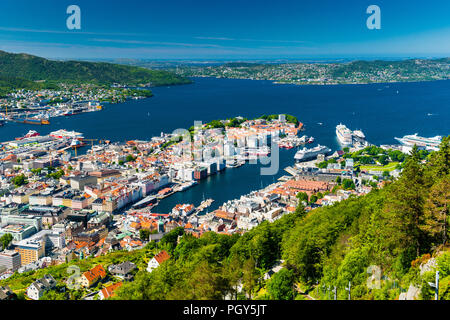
(382, 111)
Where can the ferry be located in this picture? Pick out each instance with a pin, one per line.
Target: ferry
(414, 139)
(60, 134)
(306, 154)
(187, 185)
(344, 135)
(30, 134)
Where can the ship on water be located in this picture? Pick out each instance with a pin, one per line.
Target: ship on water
(344, 135)
(60, 134)
(414, 139)
(347, 137)
(306, 154)
(30, 134)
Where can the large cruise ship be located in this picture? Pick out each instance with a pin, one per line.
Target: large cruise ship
(413, 139)
(344, 135)
(306, 154)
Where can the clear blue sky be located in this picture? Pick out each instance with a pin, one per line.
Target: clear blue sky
(231, 29)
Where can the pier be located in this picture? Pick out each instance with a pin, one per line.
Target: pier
(205, 204)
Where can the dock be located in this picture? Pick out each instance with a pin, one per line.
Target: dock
(205, 204)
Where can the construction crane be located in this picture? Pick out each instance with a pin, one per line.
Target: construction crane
(92, 142)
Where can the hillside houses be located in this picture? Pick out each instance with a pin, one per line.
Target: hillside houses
(37, 289)
(157, 260)
(91, 277)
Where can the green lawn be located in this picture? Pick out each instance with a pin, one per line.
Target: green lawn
(389, 167)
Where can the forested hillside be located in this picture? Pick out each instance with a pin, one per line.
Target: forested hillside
(34, 68)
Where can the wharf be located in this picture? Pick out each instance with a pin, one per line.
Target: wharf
(205, 204)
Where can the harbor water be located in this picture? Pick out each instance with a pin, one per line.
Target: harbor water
(381, 111)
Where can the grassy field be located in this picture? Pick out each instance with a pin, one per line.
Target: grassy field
(389, 167)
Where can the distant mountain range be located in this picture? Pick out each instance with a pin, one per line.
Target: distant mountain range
(32, 68)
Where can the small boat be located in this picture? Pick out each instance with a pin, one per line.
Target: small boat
(311, 140)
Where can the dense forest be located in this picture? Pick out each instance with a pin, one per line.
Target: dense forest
(33, 68)
(395, 229)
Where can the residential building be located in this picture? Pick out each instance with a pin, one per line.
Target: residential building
(157, 260)
(123, 269)
(6, 293)
(91, 277)
(37, 289)
(109, 291)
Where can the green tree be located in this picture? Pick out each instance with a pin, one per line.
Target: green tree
(250, 277)
(404, 214)
(281, 285)
(437, 206)
(348, 184)
(19, 180)
(5, 240)
(322, 165)
(302, 196)
(383, 160)
(144, 234)
(440, 161)
(313, 198)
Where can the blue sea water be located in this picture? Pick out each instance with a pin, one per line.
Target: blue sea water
(381, 111)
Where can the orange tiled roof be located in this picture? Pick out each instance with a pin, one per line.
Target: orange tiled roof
(162, 256)
(95, 273)
(109, 290)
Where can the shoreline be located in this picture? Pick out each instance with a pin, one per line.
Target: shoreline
(322, 84)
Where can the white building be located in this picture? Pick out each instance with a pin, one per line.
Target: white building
(37, 289)
(157, 260)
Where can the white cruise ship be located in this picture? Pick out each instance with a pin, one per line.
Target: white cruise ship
(344, 135)
(413, 139)
(306, 154)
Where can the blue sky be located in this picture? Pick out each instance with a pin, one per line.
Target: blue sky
(218, 29)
